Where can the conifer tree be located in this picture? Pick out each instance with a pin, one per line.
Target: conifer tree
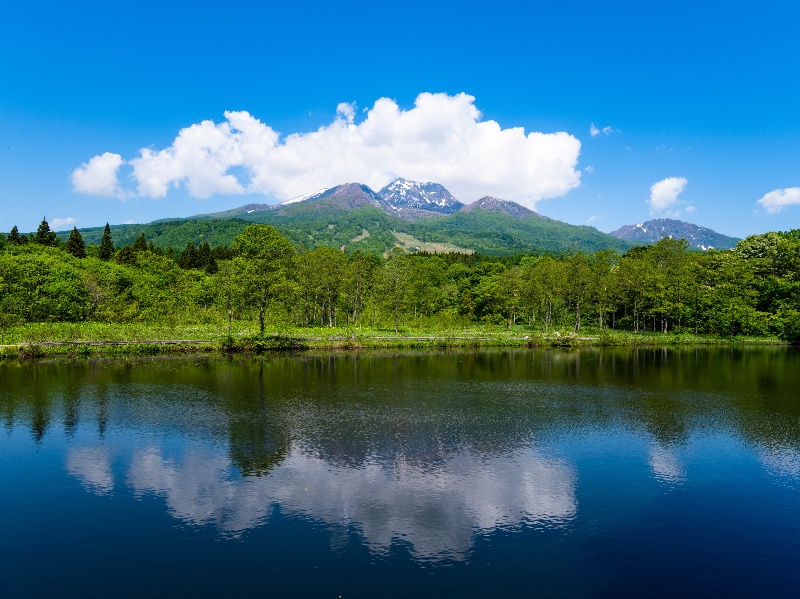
(140, 245)
(211, 266)
(106, 245)
(203, 256)
(75, 244)
(188, 257)
(126, 255)
(44, 236)
(13, 236)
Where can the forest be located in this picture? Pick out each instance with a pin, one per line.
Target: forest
(266, 281)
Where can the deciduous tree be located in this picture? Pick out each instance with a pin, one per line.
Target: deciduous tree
(266, 256)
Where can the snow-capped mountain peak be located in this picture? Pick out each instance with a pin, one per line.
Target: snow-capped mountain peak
(698, 237)
(402, 194)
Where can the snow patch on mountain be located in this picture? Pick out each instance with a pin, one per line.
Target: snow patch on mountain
(308, 196)
(701, 238)
(402, 194)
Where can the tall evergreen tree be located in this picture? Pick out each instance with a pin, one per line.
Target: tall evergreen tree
(203, 256)
(140, 245)
(44, 236)
(13, 236)
(211, 266)
(75, 244)
(188, 257)
(106, 245)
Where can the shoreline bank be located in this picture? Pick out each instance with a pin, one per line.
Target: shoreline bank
(281, 343)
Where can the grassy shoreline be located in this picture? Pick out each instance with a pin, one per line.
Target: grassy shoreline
(87, 340)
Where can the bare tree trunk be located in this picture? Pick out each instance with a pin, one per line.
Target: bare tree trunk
(262, 308)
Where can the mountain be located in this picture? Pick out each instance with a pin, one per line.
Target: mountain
(701, 238)
(349, 195)
(409, 199)
(491, 204)
(353, 217)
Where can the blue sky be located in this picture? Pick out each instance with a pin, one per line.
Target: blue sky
(700, 102)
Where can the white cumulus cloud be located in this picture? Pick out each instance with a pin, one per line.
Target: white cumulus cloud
(664, 196)
(98, 177)
(442, 138)
(777, 200)
(61, 223)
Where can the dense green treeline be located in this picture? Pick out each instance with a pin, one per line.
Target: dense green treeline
(751, 290)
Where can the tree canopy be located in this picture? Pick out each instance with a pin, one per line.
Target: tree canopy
(753, 289)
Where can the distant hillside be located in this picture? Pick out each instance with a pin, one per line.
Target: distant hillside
(700, 238)
(492, 232)
(170, 233)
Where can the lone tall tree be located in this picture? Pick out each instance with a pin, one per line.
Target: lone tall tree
(263, 257)
(75, 244)
(106, 245)
(44, 236)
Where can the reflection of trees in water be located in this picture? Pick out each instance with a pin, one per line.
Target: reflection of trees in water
(426, 448)
(351, 407)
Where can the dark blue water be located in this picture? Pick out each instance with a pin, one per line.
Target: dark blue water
(488, 474)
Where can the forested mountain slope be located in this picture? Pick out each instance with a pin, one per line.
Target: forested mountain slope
(354, 218)
(369, 229)
(414, 216)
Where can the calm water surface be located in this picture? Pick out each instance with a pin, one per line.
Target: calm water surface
(488, 474)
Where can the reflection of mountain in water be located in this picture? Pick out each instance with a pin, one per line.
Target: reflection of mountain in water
(435, 511)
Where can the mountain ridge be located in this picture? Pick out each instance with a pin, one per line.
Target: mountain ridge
(701, 238)
(354, 217)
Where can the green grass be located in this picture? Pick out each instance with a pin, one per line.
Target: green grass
(29, 340)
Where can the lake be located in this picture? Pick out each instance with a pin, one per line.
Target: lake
(592, 473)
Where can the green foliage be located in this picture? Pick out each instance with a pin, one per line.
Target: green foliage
(44, 236)
(13, 236)
(40, 284)
(140, 245)
(106, 245)
(75, 244)
(126, 255)
(753, 290)
(264, 258)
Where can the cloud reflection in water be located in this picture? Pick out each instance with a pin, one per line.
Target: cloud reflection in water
(92, 467)
(435, 511)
